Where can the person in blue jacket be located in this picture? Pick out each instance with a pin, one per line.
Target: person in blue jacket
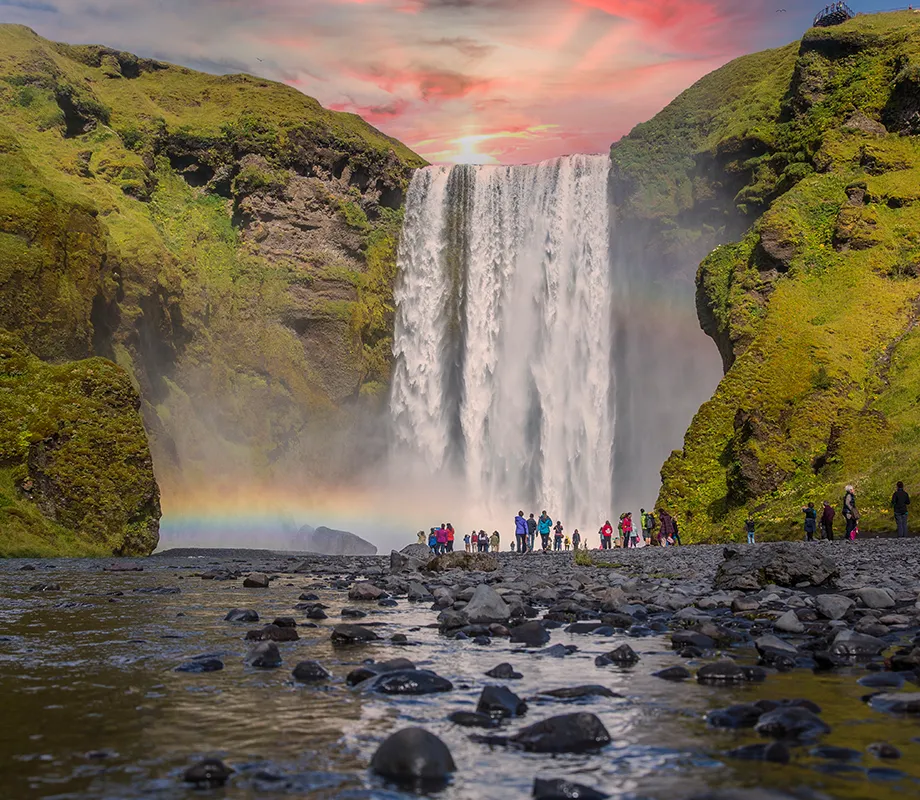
(520, 532)
(545, 526)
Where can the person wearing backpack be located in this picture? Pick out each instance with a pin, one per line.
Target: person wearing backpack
(850, 512)
(811, 521)
(557, 536)
(545, 526)
(749, 528)
(648, 525)
(900, 500)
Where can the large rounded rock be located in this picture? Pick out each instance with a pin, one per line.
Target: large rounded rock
(272, 633)
(783, 564)
(792, 723)
(256, 580)
(353, 634)
(857, 645)
(414, 756)
(264, 655)
(623, 656)
(833, 606)
(486, 606)
(310, 672)
(533, 634)
(365, 592)
(409, 682)
(568, 733)
(504, 672)
(208, 773)
(499, 701)
(241, 615)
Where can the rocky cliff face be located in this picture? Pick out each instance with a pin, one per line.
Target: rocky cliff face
(226, 240)
(815, 307)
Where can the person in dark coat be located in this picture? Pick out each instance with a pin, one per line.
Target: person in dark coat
(827, 521)
(850, 512)
(811, 521)
(900, 500)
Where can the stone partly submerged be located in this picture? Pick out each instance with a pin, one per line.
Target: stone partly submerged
(329, 542)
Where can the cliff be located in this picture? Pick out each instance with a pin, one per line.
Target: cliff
(225, 240)
(330, 542)
(808, 157)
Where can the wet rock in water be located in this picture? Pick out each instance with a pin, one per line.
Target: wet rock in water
(371, 670)
(209, 773)
(264, 655)
(789, 623)
(682, 639)
(623, 656)
(365, 592)
(677, 673)
(387, 602)
(316, 612)
(783, 564)
(772, 705)
(473, 719)
(792, 723)
(559, 650)
(353, 613)
(884, 750)
(832, 753)
(272, 633)
(399, 638)
(285, 622)
(578, 692)
(897, 703)
(833, 606)
(256, 580)
(402, 562)
(774, 752)
(241, 615)
(504, 672)
(533, 634)
(486, 605)
(310, 672)
(418, 593)
(306, 596)
(471, 562)
(559, 789)
(722, 673)
(414, 756)
(353, 634)
(850, 644)
(568, 733)
(872, 597)
(201, 664)
(882, 680)
(738, 716)
(409, 682)
(499, 701)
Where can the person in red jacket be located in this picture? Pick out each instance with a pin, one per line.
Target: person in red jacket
(606, 533)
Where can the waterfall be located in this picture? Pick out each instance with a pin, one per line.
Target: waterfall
(502, 344)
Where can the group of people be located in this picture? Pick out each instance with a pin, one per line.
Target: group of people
(823, 526)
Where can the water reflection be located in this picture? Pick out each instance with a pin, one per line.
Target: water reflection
(94, 709)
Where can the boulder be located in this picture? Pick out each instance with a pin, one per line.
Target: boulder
(486, 606)
(473, 719)
(789, 623)
(722, 673)
(413, 756)
(409, 682)
(743, 715)
(532, 634)
(365, 592)
(264, 655)
(578, 692)
(201, 664)
(783, 564)
(504, 672)
(876, 598)
(417, 592)
(613, 599)
(272, 633)
(256, 580)
(897, 702)
(559, 789)
(676, 673)
(352, 634)
(773, 752)
(208, 773)
(568, 733)
(241, 615)
(310, 672)
(499, 701)
(623, 656)
(851, 644)
(792, 723)
(470, 562)
(833, 606)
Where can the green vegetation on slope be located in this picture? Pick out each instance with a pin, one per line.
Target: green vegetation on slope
(76, 477)
(815, 309)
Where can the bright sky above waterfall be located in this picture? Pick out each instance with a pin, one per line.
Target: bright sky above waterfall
(480, 81)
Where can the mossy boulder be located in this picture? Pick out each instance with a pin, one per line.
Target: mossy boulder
(76, 476)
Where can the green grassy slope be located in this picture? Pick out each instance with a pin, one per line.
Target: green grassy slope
(815, 308)
(137, 202)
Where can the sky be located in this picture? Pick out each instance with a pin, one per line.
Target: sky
(459, 81)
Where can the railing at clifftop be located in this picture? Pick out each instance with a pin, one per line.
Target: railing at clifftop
(834, 14)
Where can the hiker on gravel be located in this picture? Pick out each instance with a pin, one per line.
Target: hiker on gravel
(433, 542)
(520, 532)
(568, 543)
(851, 513)
(811, 521)
(450, 538)
(545, 526)
(466, 542)
(606, 532)
(576, 539)
(827, 521)
(441, 537)
(496, 542)
(749, 527)
(647, 518)
(557, 535)
(666, 530)
(483, 542)
(531, 533)
(675, 532)
(627, 527)
(900, 500)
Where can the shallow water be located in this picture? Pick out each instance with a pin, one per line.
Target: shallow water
(94, 709)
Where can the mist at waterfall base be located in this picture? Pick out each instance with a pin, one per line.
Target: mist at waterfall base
(536, 368)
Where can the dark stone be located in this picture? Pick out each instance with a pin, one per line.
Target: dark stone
(832, 753)
(578, 692)
(739, 716)
(673, 674)
(532, 634)
(559, 650)
(559, 789)
(414, 756)
(897, 703)
(504, 672)
(272, 633)
(200, 664)
(353, 634)
(264, 655)
(722, 673)
(884, 750)
(310, 672)
(792, 723)
(285, 622)
(623, 656)
(499, 701)
(308, 596)
(882, 680)
(210, 772)
(783, 564)
(682, 639)
(569, 733)
(583, 627)
(315, 612)
(241, 615)
(256, 580)
(473, 719)
(353, 613)
(388, 602)
(371, 670)
(774, 752)
(410, 682)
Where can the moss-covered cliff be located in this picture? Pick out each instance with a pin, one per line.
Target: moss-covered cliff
(225, 239)
(815, 307)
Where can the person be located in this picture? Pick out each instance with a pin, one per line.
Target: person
(544, 525)
(421, 537)
(827, 521)
(606, 534)
(648, 525)
(466, 543)
(450, 538)
(496, 542)
(666, 529)
(630, 534)
(850, 512)
(520, 532)
(675, 531)
(576, 539)
(749, 527)
(433, 542)
(483, 542)
(442, 539)
(557, 538)
(531, 533)
(568, 544)
(811, 521)
(900, 500)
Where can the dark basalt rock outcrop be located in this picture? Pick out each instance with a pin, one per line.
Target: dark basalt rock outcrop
(780, 564)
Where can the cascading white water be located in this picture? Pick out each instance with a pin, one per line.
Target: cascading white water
(503, 335)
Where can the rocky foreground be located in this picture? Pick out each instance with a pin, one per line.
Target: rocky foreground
(734, 617)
